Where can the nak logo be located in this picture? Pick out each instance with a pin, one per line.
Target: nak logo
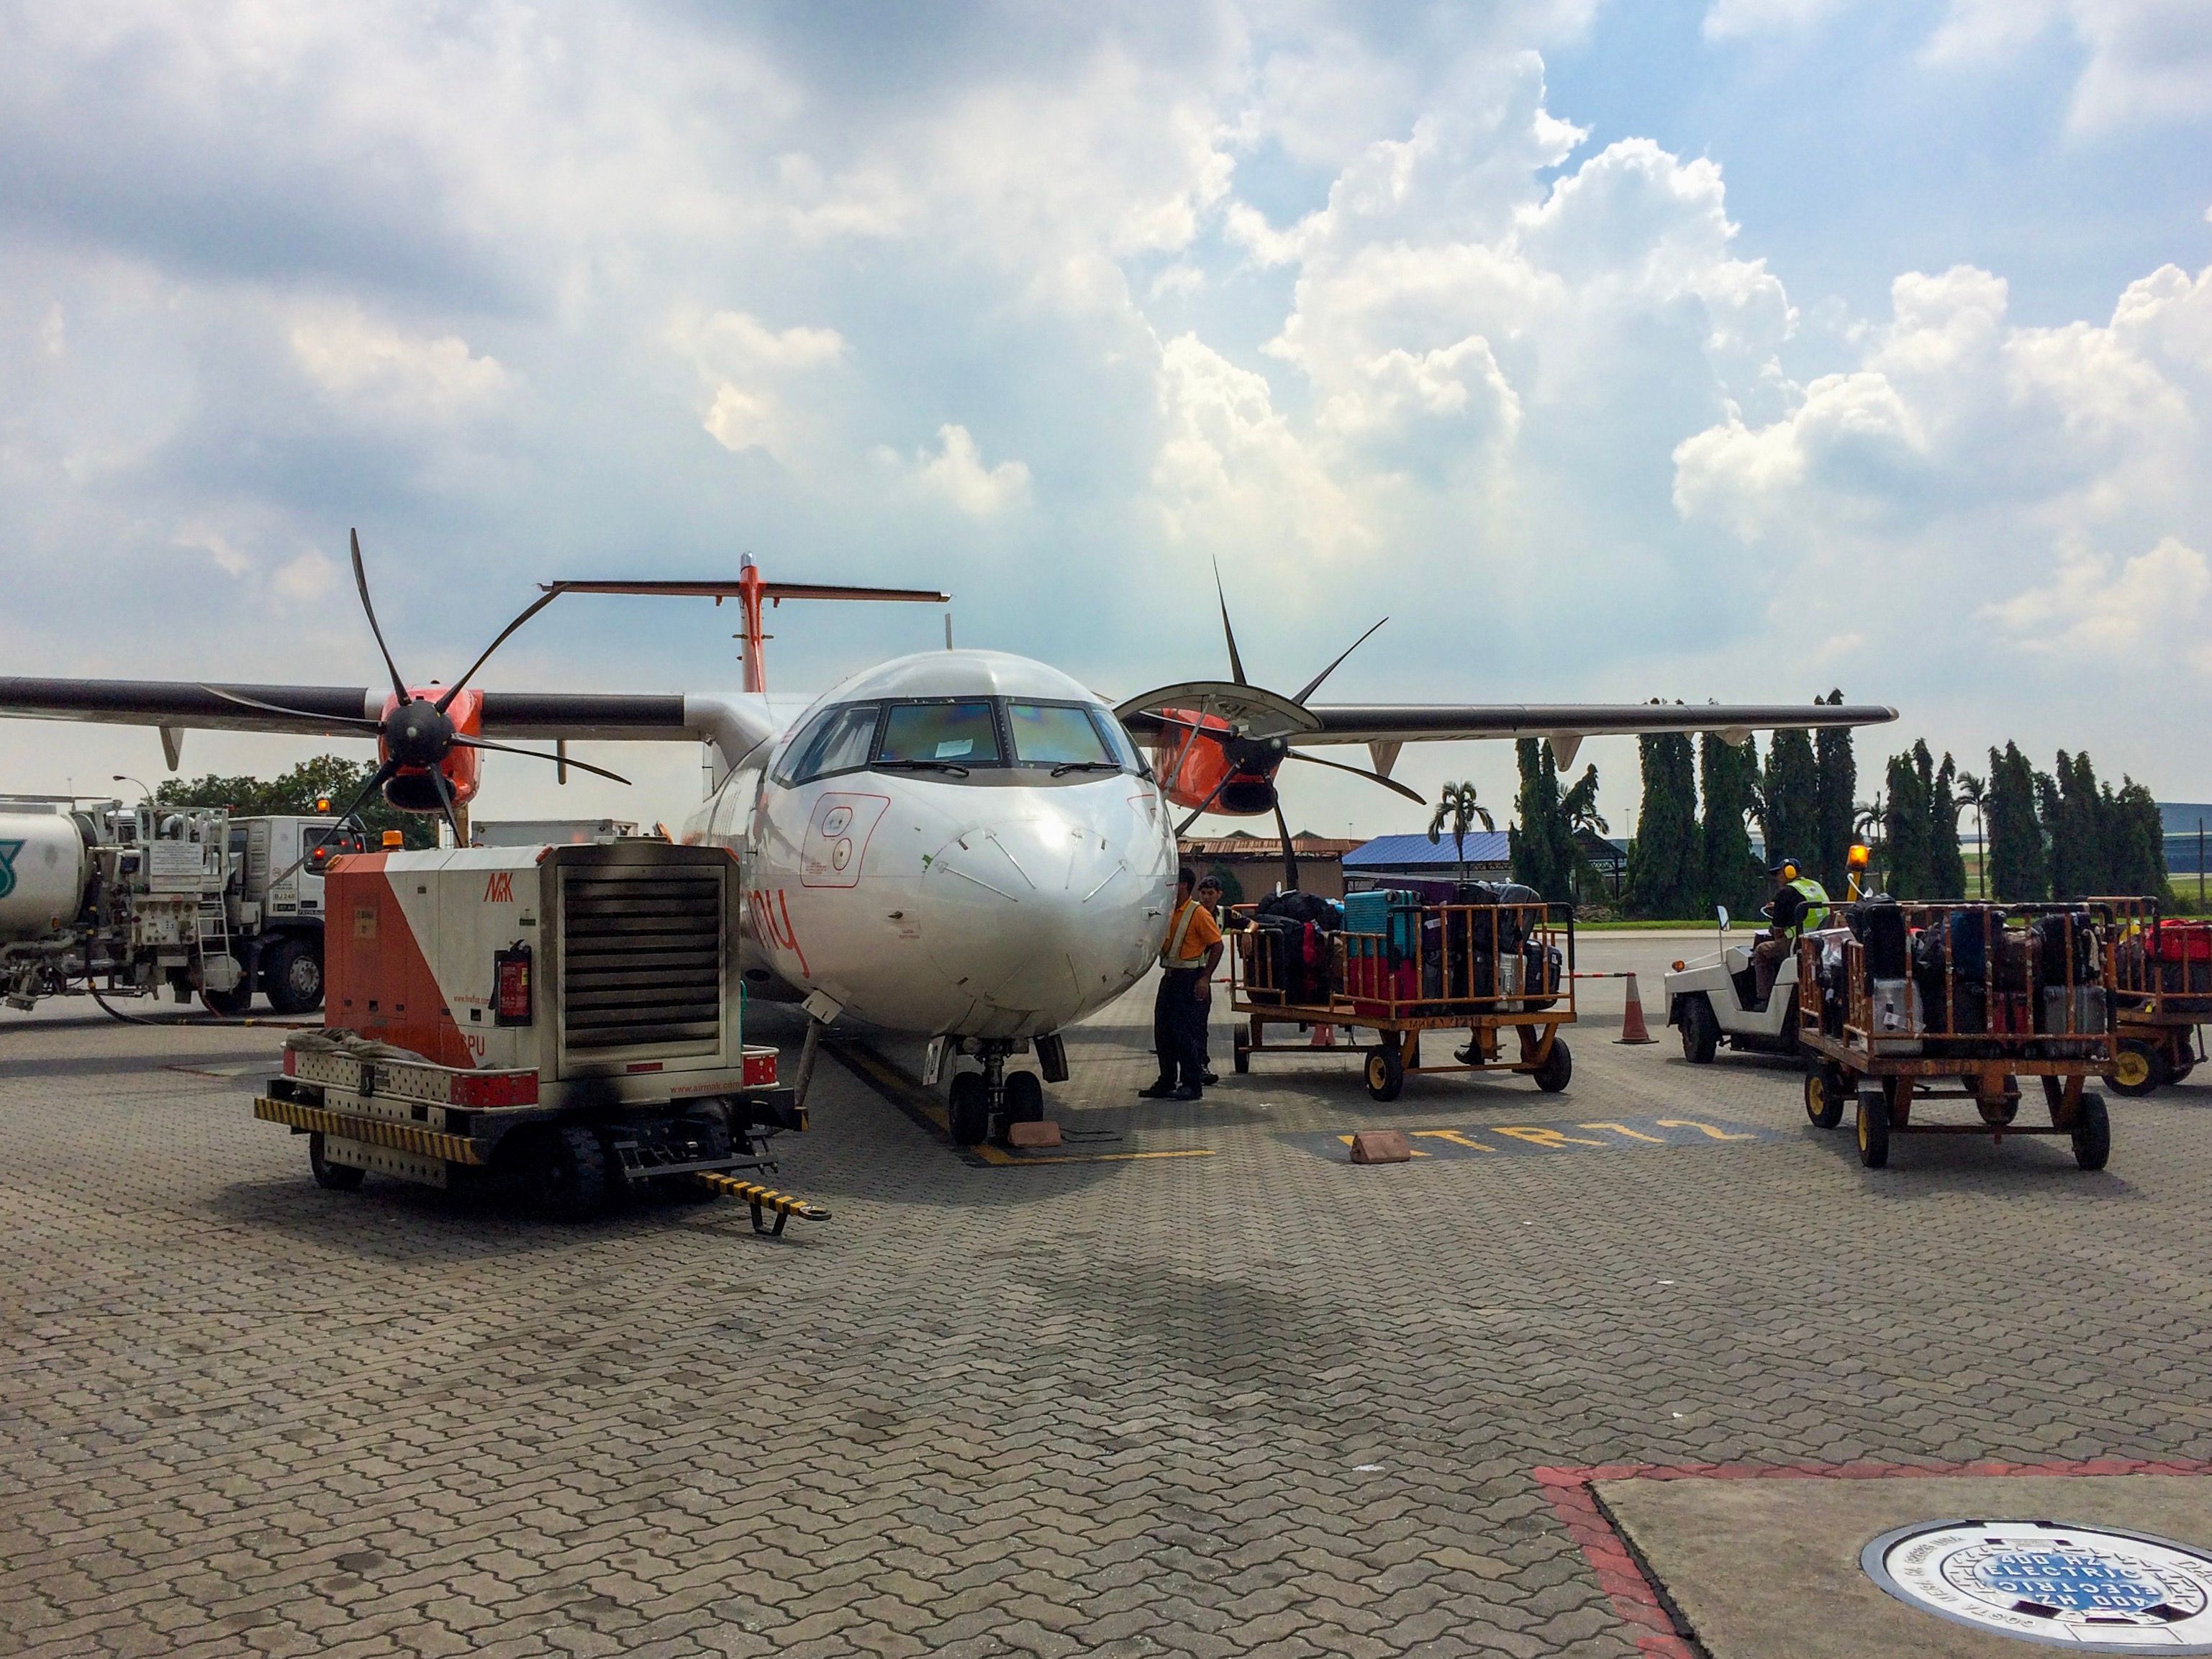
(500, 890)
(8, 851)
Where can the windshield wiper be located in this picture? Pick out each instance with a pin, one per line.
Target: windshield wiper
(1066, 766)
(922, 766)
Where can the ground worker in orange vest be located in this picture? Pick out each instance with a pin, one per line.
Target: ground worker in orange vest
(1187, 958)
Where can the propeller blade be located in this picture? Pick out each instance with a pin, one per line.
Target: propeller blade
(1391, 784)
(1313, 685)
(446, 803)
(360, 582)
(1290, 853)
(1198, 812)
(297, 714)
(538, 754)
(454, 690)
(1235, 663)
(377, 780)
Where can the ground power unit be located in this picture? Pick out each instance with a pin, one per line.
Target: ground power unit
(565, 1020)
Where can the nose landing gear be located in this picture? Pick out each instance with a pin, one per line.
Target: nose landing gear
(982, 1103)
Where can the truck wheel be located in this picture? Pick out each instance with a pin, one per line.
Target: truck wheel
(1025, 1097)
(1556, 1067)
(228, 1005)
(335, 1177)
(2092, 1133)
(567, 1179)
(2137, 1067)
(1701, 1031)
(1386, 1071)
(968, 1110)
(1873, 1130)
(1825, 1088)
(292, 975)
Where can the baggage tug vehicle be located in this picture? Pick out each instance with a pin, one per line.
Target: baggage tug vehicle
(568, 1020)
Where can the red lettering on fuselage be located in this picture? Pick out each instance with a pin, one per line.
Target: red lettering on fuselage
(772, 921)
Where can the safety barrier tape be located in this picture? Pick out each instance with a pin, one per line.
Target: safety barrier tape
(404, 1137)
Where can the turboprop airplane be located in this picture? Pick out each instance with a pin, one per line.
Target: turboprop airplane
(965, 846)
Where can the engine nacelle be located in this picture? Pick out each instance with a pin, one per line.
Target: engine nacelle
(410, 789)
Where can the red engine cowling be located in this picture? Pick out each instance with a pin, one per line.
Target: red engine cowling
(1203, 763)
(410, 789)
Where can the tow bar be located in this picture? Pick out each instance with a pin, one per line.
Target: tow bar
(761, 1199)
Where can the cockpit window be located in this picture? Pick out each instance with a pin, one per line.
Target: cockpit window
(837, 741)
(1055, 734)
(1119, 744)
(949, 734)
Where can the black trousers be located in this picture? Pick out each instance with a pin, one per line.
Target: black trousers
(1179, 1028)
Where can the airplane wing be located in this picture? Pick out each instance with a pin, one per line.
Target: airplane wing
(1445, 722)
(183, 705)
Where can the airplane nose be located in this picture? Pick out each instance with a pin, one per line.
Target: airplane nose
(1035, 914)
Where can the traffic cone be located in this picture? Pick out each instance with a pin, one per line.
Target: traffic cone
(1324, 1037)
(1633, 1028)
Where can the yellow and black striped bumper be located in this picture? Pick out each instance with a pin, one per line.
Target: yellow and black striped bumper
(370, 1131)
(762, 1198)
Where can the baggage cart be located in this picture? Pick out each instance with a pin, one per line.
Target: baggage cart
(1917, 1003)
(1502, 973)
(2162, 995)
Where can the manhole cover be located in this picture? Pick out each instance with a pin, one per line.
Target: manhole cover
(2093, 1588)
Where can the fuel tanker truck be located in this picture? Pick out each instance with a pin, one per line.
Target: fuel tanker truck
(126, 901)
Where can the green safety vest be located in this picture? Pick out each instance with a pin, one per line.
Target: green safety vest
(1815, 913)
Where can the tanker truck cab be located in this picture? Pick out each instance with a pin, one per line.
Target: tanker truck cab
(1714, 999)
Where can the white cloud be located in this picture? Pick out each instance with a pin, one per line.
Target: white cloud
(373, 364)
(1727, 20)
(2145, 60)
(2090, 613)
(956, 473)
(748, 368)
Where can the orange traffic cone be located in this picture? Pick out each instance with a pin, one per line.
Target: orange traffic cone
(1633, 1028)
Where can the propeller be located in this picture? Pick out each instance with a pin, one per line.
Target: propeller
(1261, 723)
(416, 733)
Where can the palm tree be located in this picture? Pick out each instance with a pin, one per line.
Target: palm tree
(1971, 791)
(1578, 807)
(1457, 803)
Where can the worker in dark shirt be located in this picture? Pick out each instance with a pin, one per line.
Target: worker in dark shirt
(1800, 904)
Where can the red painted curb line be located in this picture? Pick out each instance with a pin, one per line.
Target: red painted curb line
(1636, 1604)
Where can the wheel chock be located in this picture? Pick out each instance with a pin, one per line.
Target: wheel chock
(1029, 1137)
(1382, 1146)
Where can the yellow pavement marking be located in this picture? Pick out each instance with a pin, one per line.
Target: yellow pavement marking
(1701, 1129)
(1623, 1129)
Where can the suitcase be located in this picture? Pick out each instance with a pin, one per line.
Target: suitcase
(1368, 913)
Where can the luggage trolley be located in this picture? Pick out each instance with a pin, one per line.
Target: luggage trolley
(2162, 995)
(1399, 968)
(1975, 996)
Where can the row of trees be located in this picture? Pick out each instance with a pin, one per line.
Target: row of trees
(326, 778)
(2045, 835)
(1801, 797)
(2063, 835)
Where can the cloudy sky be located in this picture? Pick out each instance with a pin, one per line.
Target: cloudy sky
(1613, 348)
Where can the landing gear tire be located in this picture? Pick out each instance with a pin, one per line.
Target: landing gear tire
(967, 1110)
(332, 1177)
(1701, 1030)
(1386, 1071)
(292, 976)
(2092, 1133)
(1557, 1067)
(568, 1176)
(1825, 1088)
(1025, 1097)
(1241, 1058)
(2138, 1068)
(1873, 1131)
